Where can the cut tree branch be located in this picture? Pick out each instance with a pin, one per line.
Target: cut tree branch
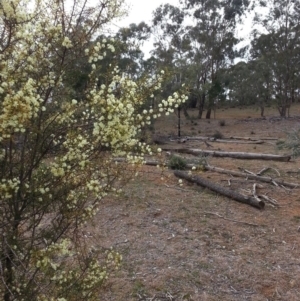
(226, 140)
(236, 155)
(220, 189)
(266, 169)
(252, 139)
(232, 138)
(251, 176)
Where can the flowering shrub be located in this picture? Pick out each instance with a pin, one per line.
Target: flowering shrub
(57, 153)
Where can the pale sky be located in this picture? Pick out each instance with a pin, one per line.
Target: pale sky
(142, 11)
(139, 11)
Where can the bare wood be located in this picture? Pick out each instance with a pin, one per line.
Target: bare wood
(224, 140)
(266, 169)
(146, 162)
(199, 138)
(220, 189)
(252, 139)
(236, 155)
(254, 191)
(251, 176)
(238, 142)
(270, 200)
(247, 171)
(155, 163)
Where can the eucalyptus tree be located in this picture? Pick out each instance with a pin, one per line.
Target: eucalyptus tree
(170, 41)
(128, 41)
(212, 36)
(127, 55)
(279, 46)
(171, 46)
(249, 84)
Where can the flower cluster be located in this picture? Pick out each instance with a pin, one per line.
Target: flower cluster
(57, 151)
(81, 280)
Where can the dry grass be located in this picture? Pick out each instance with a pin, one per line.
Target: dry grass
(187, 243)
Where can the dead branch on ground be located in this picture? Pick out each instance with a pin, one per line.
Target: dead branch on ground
(252, 139)
(225, 140)
(220, 189)
(236, 155)
(272, 201)
(265, 169)
(251, 176)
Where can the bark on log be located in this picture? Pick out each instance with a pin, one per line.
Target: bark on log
(236, 155)
(251, 176)
(252, 139)
(232, 137)
(146, 162)
(221, 190)
(227, 172)
(238, 141)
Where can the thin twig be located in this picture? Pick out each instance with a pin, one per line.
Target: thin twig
(232, 220)
(254, 191)
(249, 172)
(270, 200)
(285, 188)
(266, 169)
(177, 188)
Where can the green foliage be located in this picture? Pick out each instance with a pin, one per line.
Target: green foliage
(292, 143)
(218, 135)
(66, 112)
(277, 53)
(177, 162)
(222, 122)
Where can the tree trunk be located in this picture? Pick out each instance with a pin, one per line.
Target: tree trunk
(185, 112)
(282, 110)
(201, 105)
(208, 113)
(221, 190)
(262, 110)
(202, 96)
(178, 112)
(8, 275)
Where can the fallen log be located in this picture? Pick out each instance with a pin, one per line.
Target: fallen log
(236, 155)
(238, 141)
(252, 139)
(198, 138)
(221, 190)
(146, 162)
(225, 140)
(251, 176)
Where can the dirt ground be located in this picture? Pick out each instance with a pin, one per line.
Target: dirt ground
(183, 242)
